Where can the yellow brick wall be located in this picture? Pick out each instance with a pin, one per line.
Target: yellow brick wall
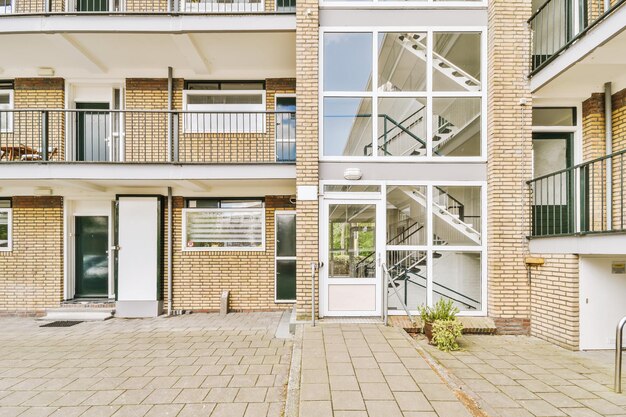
(199, 277)
(554, 301)
(509, 153)
(307, 148)
(31, 275)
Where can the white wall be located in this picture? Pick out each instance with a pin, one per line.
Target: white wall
(602, 302)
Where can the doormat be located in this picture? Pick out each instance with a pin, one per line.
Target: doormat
(61, 324)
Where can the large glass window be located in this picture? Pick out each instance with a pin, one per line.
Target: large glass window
(5, 224)
(352, 241)
(6, 116)
(436, 257)
(427, 102)
(224, 225)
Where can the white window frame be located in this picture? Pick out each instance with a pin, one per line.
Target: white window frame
(282, 140)
(8, 9)
(281, 258)
(9, 128)
(429, 247)
(9, 246)
(186, 248)
(429, 94)
(226, 108)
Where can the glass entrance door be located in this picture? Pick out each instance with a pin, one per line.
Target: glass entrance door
(352, 258)
(92, 259)
(93, 132)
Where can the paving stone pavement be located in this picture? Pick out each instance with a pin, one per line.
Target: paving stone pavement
(518, 376)
(192, 365)
(368, 370)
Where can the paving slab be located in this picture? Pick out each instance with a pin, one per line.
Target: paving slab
(369, 370)
(524, 376)
(193, 365)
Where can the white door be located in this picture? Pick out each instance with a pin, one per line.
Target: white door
(602, 295)
(352, 250)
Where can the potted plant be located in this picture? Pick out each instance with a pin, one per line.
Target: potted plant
(441, 326)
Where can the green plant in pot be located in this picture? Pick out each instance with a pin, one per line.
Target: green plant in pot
(441, 326)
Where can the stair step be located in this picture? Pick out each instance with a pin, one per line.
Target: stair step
(78, 314)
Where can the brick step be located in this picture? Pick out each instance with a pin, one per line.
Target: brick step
(471, 325)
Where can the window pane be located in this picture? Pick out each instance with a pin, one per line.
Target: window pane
(457, 277)
(4, 229)
(408, 271)
(199, 85)
(242, 86)
(5, 203)
(352, 188)
(401, 127)
(347, 61)
(456, 61)
(214, 228)
(457, 216)
(402, 61)
(4, 98)
(456, 126)
(225, 99)
(285, 280)
(286, 235)
(352, 241)
(347, 126)
(406, 215)
(241, 204)
(554, 116)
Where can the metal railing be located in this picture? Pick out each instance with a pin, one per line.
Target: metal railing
(157, 136)
(13, 7)
(586, 198)
(557, 24)
(618, 355)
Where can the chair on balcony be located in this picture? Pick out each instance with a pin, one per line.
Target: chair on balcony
(37, 154)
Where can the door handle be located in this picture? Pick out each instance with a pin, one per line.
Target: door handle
(115, 247)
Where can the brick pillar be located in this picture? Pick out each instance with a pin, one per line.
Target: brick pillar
(509, 153)
(307, 35)
(593, 127)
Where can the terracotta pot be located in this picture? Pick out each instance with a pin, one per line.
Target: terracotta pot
(428, 331)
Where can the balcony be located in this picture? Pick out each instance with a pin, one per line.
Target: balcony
(585, 199)
(65, 136)
(46, 7)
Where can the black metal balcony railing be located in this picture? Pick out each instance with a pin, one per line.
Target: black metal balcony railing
(557, 24)
(145, 6)
(586, 198)
(147, 136)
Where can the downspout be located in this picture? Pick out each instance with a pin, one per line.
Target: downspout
(170, 252)
(608, 127)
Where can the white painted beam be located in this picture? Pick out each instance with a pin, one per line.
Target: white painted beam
(187, 46)
(93, 63)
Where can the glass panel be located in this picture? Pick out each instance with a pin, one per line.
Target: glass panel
(5, 203)
(347, 126)
(408, 271)
(286, 129)
(225, 99)
(241, 204)
(549, 155)
(285, 280)
(352, 241)
(456, 126)
(457, 216)
(218, 228)
(199, 85)
(242, 86)
(406, 215)
(457, 277)
(203, 203)
(564, 116)
(401, 127)
(92, 5)
(402, 61)
(286, 235)
(92, 260)
(5, 99)
(456, 61)
(4, 229)
(352, 188)
(347, 61)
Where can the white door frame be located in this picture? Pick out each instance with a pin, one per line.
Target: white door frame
(325, 281)
(77, 208)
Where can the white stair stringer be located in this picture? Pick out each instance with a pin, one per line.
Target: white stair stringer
(412, 42)
(440, 139)
(451, 219)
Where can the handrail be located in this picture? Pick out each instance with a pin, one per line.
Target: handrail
(581, 165)
(618, 355)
